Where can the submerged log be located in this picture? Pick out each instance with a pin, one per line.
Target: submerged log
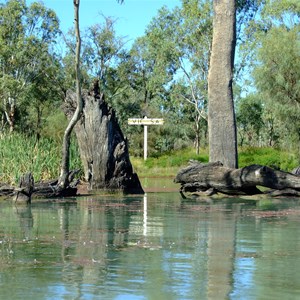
(103, 148)
(199, 177)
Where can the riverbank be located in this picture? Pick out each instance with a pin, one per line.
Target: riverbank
(168, 165)
(21, 154)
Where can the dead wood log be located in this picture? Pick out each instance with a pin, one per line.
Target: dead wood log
(22, 194)
(199, 177)
(52, 189)
(27, 188)
(6, 190)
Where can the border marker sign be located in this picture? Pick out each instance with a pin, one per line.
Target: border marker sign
(146, 122)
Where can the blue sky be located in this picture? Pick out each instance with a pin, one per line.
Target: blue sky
(132, 16)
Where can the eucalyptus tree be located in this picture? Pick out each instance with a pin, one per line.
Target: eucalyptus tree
(250, 120)
(277, 74)
(153, 61)
(42, 96)
(174, 56)
(151, 70)
(194, 41)
(221, 115)
(103, 52)
(26, 34)
(228, 16)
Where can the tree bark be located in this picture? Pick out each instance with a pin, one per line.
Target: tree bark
(214, 177)
(27, 188)
(65, 164)
(103, 148)
(24, 190)
(221, 116)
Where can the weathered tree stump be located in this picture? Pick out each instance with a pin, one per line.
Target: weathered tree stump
(103, 148)
(213, 177)
(24, 190)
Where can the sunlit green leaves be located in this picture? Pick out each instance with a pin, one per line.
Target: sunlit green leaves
(26, 57)
(19, 155)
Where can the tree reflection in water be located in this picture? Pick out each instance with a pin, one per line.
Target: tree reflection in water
(155, 246)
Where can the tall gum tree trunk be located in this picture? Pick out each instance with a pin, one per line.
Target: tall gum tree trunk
(221, 116)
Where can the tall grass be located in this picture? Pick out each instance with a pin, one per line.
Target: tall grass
(20, 154)
(169, 164)
(271, 157)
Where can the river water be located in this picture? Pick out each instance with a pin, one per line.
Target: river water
(157, 246)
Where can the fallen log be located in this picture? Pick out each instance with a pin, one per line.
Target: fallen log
(27, 189)
(50, 189)
(6, 190)
(214, 177)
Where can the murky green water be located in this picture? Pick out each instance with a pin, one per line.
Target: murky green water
(153, 247)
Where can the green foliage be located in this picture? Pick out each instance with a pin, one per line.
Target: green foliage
(267, 156)
(249, 119)
(54, 126)
(278, 78)
(279, 75)
(20, 154)
(269, 51)
(163, 74)
(28, 67)
(167, 164)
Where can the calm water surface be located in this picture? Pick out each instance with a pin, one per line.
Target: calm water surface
(154, 247)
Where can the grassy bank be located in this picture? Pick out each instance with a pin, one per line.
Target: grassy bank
(169, 164)
(19, 154)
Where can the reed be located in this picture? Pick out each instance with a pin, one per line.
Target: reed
(20, 154)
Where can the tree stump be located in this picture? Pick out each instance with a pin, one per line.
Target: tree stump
(103, 148)
(24, 190)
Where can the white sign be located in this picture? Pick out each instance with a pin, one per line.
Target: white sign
(145, 121)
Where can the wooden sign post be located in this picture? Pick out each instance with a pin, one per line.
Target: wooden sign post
(145, 121)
